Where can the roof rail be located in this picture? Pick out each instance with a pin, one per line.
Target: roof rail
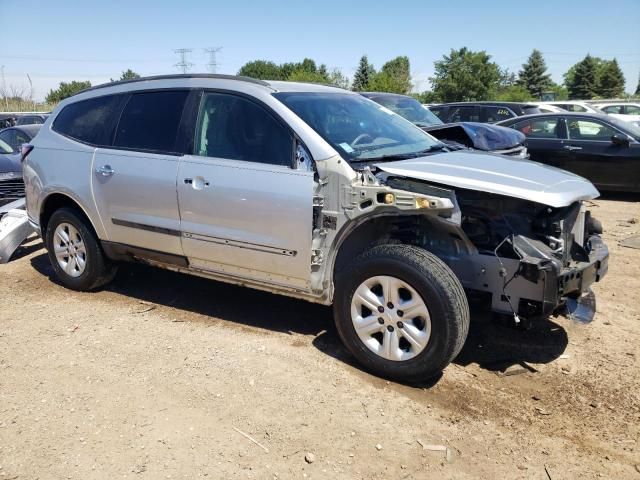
(178, 76)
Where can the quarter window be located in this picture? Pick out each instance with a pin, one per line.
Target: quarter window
(90, 121)
(150, 121)
(589, 130)
(232, 127)
(542, 128)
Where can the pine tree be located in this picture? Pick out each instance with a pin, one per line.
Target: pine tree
(611, 81)
(584, 83)
(533, 75)
(363, 75)
(638, 87)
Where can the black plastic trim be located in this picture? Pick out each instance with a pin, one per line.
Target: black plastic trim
(120, 252)
(149, 228)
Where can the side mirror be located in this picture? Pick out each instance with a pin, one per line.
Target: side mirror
(620, 140)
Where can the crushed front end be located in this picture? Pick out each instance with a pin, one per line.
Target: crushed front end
(529, 259)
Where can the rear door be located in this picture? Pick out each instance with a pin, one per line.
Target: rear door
(594, 156)
(134, 180)
(246, 210)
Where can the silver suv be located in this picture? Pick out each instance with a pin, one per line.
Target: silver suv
(312, 192)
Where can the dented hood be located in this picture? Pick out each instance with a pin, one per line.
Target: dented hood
(497, 174)
(482, 136)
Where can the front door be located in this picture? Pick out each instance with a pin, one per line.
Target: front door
(596, 157)
(134, 182)
(246, 211)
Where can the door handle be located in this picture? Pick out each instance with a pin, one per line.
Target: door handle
(571, 148)
(197, 183)
(105, 171)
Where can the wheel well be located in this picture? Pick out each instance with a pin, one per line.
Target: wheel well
(378, 231)
(55, 202)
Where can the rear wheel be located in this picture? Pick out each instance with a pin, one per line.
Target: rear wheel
(401, 312)
(75, 253)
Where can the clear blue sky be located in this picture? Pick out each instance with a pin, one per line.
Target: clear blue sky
(96, 40)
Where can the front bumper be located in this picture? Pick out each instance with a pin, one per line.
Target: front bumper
(571, 282)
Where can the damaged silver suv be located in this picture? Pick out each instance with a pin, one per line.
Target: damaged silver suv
(315, 193)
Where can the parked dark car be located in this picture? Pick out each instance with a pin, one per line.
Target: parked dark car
(32, 119)
(11, 140)
(478, 136)
(598, 147)
(483, 112)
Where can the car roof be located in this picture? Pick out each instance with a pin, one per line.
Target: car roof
(144, 83)
(31, 130)
(489, 102)
(600, 116)
(384, 94)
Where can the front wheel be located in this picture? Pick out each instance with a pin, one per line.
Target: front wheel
(401, 312)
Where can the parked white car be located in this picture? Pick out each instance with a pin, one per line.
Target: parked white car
(629, 112)
(572, 106)
(547, 108)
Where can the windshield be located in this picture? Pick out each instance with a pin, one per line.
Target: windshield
(626, 127)
(359, 129)
(409, 108)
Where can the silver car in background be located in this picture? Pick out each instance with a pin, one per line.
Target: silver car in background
(312, 192)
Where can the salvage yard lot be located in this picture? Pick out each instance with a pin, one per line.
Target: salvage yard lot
(156, 376)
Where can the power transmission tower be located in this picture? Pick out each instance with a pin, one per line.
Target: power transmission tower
(213, 64)
(183, 64)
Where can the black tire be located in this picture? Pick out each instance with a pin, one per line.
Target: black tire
(434, 282)
(98, 269)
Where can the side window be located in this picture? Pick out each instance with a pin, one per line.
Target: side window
(589, 130)
(21, 138)
(542, 128)
(575, 108)
(464, 114)
(89, 121)
(9, 138)
(235, 128)
(495, 114)
(612, 109)
(439, 111)
(150, 121)
(632, 109)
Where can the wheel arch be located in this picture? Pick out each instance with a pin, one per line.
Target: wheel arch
(57, 200)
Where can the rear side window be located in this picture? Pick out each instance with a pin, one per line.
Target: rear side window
(464, 114)
(150, 121)
(89, 121)
(612, 109)
(495, 114)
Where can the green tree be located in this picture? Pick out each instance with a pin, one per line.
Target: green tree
(307, 77)
(610, 81)
(581, 79)
(128, 74)
(363, 75)
(514, 93)
(399, 72)
(261, 69)
(465, 75)
(66, 90)
(338, 79)
(638, 87)
(534, 76)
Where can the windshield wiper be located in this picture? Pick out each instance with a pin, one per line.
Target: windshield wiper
(402, 156)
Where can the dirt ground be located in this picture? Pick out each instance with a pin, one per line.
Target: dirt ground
(161, 374)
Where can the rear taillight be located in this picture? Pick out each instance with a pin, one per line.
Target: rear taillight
(25, 150)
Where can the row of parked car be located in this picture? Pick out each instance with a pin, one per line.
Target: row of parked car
(601, 144)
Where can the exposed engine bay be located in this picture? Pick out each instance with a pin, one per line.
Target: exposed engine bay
(529, 258)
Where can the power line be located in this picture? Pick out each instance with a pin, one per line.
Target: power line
(213, 64)
(183, 64)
